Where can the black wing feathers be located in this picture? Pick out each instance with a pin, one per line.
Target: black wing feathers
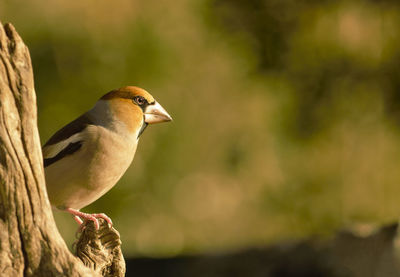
(70, 129)
(70, 149)
(64, 133)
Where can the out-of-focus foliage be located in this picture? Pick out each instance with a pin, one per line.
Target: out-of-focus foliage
(286, 113)
(321, 48)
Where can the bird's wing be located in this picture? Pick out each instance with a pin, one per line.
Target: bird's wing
(68, 150)
(66, 141)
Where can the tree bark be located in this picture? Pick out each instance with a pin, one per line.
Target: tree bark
(30, 244)
(100, 250)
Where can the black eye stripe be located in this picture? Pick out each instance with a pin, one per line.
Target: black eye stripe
(141, 102)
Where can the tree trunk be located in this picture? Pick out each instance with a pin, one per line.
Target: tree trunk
(30, 244)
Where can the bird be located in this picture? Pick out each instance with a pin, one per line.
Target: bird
(86, 158)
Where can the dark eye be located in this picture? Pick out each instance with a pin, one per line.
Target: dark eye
(140, 100)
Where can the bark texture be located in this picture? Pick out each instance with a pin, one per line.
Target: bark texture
(30, 244)
(100, 250)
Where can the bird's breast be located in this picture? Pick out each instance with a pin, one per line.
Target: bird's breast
(80, 179)
(111, 154)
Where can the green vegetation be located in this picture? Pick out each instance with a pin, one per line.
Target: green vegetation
(286, 113)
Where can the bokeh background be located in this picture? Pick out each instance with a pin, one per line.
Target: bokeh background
(286, 113)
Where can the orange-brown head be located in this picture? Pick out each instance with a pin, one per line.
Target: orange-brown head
(128, 92)
(135, 106)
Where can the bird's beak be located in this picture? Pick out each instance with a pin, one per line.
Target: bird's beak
(154, 113)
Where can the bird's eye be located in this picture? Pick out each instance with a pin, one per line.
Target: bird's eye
(140, 100)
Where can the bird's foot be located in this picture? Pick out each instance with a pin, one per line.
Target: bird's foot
(81, 217)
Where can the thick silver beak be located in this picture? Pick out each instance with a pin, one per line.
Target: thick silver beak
(154, 113)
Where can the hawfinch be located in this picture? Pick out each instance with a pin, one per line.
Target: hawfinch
(86, 158)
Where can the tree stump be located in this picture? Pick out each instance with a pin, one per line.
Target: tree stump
(100, 249)
(30, 244)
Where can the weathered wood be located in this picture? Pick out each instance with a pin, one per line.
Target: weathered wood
(30, 244)
(100, 249)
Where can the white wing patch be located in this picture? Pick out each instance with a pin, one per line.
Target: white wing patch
(51, 151)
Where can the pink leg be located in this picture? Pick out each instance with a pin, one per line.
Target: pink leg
(78, 216)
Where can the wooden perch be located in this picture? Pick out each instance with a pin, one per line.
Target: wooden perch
(100, 250)
(30, 244)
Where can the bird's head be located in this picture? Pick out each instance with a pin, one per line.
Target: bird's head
(135, 107)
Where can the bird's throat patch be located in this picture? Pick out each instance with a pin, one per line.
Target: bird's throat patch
(144, 125)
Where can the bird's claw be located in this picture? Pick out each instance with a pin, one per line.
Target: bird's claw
(94, 217)
(81, 217)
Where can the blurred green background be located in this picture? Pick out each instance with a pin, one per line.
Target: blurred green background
(286, 113)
